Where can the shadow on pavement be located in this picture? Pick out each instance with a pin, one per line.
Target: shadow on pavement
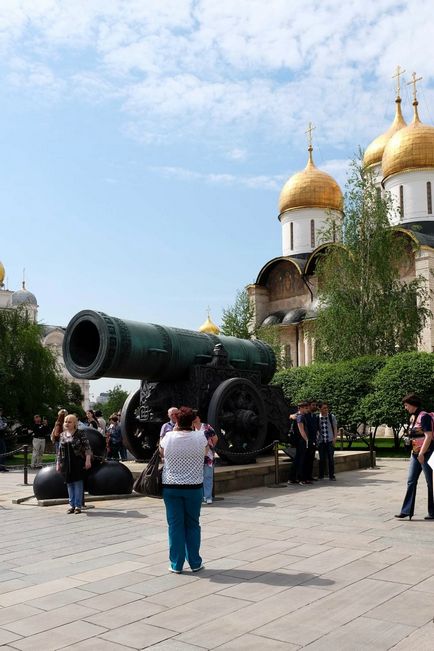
(114, 514)
(290, 578)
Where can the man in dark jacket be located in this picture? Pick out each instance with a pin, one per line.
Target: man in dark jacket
(312, 427)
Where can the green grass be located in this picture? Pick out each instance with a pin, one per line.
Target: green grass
(18, 459)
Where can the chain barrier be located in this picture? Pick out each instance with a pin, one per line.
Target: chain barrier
(223, 452)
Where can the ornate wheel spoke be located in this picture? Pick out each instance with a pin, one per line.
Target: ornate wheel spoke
(237, 413)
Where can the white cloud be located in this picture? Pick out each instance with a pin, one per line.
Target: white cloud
(263, 182)
(182, 67)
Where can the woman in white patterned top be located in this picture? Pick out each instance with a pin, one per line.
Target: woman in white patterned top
(182, 451)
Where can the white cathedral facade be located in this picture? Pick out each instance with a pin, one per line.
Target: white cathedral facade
(52, 336)
(402, 162)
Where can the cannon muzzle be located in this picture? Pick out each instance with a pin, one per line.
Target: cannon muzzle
(97, 345)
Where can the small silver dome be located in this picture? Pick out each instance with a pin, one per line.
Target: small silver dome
(23, 297)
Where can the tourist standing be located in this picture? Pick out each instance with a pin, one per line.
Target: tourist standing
(297, 471)
(58, 429)
(311, 426)
(114, 438)
(182, 451)
(168, 427)
(101, 421)
(327, 435)
(421, 437)
(40, 433)
(91, 419)
(3, 427)
(208, 466)
(73, 458)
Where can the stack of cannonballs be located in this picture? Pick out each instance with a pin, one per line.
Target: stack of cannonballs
(104, 478)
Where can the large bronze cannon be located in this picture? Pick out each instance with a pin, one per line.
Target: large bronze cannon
(226, 378)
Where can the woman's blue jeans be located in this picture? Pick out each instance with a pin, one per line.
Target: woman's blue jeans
(413, 475)
(208, 480)
(75, 493)
(183, 512)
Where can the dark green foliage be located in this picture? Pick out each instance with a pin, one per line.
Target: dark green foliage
(117, 397)
(343, 385)
(366, 308)
(402, 374)
(30, 381)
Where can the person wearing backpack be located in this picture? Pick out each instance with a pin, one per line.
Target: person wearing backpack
(327, 435)
(421, 437)
(114, 438)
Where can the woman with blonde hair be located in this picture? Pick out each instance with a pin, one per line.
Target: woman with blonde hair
(73, 457)
(58, 428)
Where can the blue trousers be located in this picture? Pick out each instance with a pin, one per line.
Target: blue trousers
(413, 475)
(208, 480)
(75, 493)
(183, 512)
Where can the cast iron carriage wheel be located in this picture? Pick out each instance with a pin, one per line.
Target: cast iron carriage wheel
(237, 413)
(139, 438)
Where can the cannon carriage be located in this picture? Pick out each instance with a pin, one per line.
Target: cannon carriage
(226, 378)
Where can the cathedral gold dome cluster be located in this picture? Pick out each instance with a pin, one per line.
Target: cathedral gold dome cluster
(310, 188)
(209, 328)
(2, 274)
(412, 147)
(374, 152)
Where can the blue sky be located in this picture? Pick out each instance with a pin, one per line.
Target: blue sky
(144, 143)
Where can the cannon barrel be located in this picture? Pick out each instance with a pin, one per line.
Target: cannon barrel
(97, 345)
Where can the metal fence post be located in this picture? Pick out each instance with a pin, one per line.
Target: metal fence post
(26, 461)
(371, 449)
(276, 463)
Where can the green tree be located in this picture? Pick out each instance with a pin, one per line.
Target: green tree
(30, 381)
(366, 309)
(237, 320)
(115, 402)
(402, 374)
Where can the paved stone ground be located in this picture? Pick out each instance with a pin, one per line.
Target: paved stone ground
(318, 568)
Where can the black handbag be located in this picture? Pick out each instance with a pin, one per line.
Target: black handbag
(150, 480)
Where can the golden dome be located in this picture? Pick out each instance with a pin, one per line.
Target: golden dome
(374, 152)
(2, 274)
(410, 148)
(209, 327)
(310, 188)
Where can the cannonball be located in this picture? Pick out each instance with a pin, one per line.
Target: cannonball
(49, 484)
(110, 478)
(96, 440)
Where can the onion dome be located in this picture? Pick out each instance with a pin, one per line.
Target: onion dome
(23, 297)
(374, 152)
(310, 188)
(410, 148)
(209, 327)
(2, 274)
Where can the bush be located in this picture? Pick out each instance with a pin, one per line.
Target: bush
(343, 385)
(403, 373)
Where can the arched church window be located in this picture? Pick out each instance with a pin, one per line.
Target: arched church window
(429, 198)
(312, 233)
(401, 200)
(291, 236)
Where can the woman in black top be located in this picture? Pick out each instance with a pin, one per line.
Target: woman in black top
(74, 456)
(421, 436)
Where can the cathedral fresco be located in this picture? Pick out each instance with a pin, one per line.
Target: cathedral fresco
(284, 281)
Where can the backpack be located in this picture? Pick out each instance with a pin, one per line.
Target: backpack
(150, 481)
(294, 433)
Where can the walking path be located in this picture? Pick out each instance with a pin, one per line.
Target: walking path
(319, 568)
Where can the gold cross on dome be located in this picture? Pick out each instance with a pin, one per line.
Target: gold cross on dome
(399, 71)
(414, 82)
(309, 134)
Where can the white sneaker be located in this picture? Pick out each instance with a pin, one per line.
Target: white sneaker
(209, 500)
(174, 571)
(197, 569)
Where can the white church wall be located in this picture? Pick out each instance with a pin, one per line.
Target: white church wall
(304, 238)
(424, 266)
(414, 189)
